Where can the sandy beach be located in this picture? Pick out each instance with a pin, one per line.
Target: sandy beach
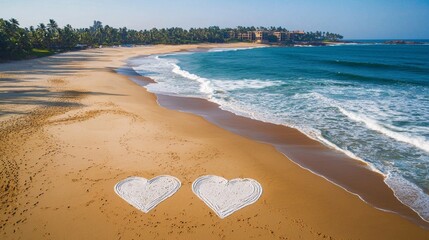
(71, 128)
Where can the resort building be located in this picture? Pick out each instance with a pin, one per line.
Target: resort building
(281, 36)
(262, 36)
(295, 34)
(247, 36)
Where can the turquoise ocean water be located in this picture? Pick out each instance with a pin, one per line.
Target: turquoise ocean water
(370, 101)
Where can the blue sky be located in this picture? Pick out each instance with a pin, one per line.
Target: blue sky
(355, 19)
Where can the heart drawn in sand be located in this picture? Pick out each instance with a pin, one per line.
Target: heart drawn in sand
(225, 197)
(146, 194)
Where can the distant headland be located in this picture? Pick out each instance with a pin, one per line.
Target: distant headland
(45, 39)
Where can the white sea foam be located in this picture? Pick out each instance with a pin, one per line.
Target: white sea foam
(232, 85)
(266, 108)
(233, 49)
(409, 194)
(318, 137)
(341, 44)
(205, 85)
(372, 124)
(258, 114)
(171, 79)
(210, 86)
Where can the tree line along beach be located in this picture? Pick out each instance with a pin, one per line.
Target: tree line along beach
(75, 123)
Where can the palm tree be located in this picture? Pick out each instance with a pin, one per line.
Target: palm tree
(67, 37)
(53, 34)
(14, 41)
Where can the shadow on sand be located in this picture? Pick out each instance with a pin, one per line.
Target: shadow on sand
(16, 77)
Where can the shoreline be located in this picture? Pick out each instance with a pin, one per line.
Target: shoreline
(332, 165)
(76, 128)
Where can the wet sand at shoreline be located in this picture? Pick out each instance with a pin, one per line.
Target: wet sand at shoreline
(71, 128)
(353, 175)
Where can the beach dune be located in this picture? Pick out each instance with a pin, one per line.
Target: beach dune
(71, 128)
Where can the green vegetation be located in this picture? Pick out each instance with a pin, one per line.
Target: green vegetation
(14, 41)
(19, 43)
(272, 39)
(40, 52)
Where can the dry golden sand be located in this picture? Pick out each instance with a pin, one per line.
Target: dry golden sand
(71, 128)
